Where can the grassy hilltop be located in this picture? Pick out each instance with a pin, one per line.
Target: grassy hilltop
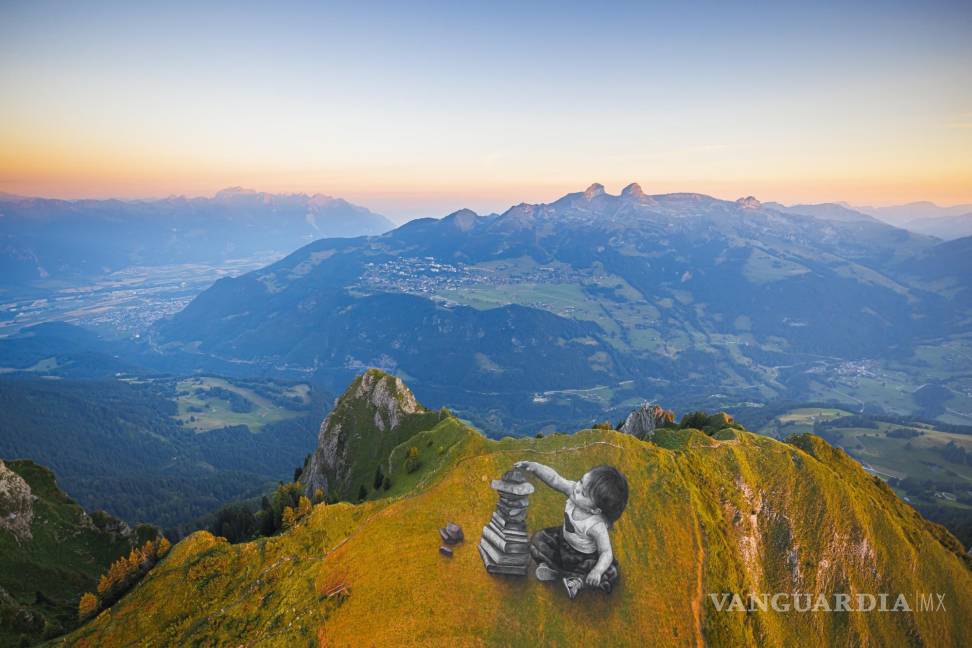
(733, 512)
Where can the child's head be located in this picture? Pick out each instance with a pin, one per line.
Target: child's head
(608, 489)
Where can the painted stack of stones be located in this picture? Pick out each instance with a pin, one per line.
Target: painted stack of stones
(505, 545)
(451, 534)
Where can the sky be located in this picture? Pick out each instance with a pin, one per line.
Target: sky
(418, 109)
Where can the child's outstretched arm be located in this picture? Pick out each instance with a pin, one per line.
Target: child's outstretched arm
(547, 475)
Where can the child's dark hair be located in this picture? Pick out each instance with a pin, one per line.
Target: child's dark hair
(608, 488)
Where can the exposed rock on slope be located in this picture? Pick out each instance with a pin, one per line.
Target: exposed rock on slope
(16, 510)
(51, 551)
(376, 413)
(642, 422)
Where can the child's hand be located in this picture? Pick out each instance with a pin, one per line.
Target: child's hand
(593, 578)
(524, 465)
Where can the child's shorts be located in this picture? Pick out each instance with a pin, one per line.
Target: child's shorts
(549, 546)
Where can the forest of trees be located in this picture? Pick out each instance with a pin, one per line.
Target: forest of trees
(122, 576)
(115, 445)
(286, 507)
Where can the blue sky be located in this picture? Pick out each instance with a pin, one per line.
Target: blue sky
(415, 109)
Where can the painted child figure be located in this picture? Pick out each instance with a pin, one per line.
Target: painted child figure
(579, 551)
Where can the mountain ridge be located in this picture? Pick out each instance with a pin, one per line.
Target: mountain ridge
(729, 512)
(605, 288)
(48, 240)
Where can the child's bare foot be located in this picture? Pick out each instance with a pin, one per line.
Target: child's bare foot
(573, 584)
(545, 573)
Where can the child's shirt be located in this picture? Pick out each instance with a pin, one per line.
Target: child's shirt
(576, 531)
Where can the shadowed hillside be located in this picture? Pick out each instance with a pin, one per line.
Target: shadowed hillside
(51, 551)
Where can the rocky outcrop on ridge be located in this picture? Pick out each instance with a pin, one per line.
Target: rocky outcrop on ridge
(376, 413)
(16, 504)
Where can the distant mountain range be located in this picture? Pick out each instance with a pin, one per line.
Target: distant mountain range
(902, 214)
(580, 305)
(45, 242)
(946, 223)
(824, 211)
(927, 218)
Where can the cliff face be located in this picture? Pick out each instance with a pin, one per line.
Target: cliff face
(376, 413)
(16, 504)
(642, 421)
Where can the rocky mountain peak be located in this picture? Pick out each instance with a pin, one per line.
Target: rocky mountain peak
(231, 193)
(633, 190)
(391, 399)
(749, 203)
(323, 200)
(463, 220)
(595, 190)
(366, 422)
(16, 504)
(642, 421)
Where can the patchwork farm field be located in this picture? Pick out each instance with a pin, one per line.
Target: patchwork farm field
(926, 464)
(919, 457)
(207, 403)
(800, 420)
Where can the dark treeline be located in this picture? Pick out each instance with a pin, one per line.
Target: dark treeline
(271, 390)
(957, 520)
(277, 511)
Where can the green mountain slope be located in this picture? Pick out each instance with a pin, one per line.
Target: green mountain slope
(737, 512)
(929, 466)
(51, 551)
